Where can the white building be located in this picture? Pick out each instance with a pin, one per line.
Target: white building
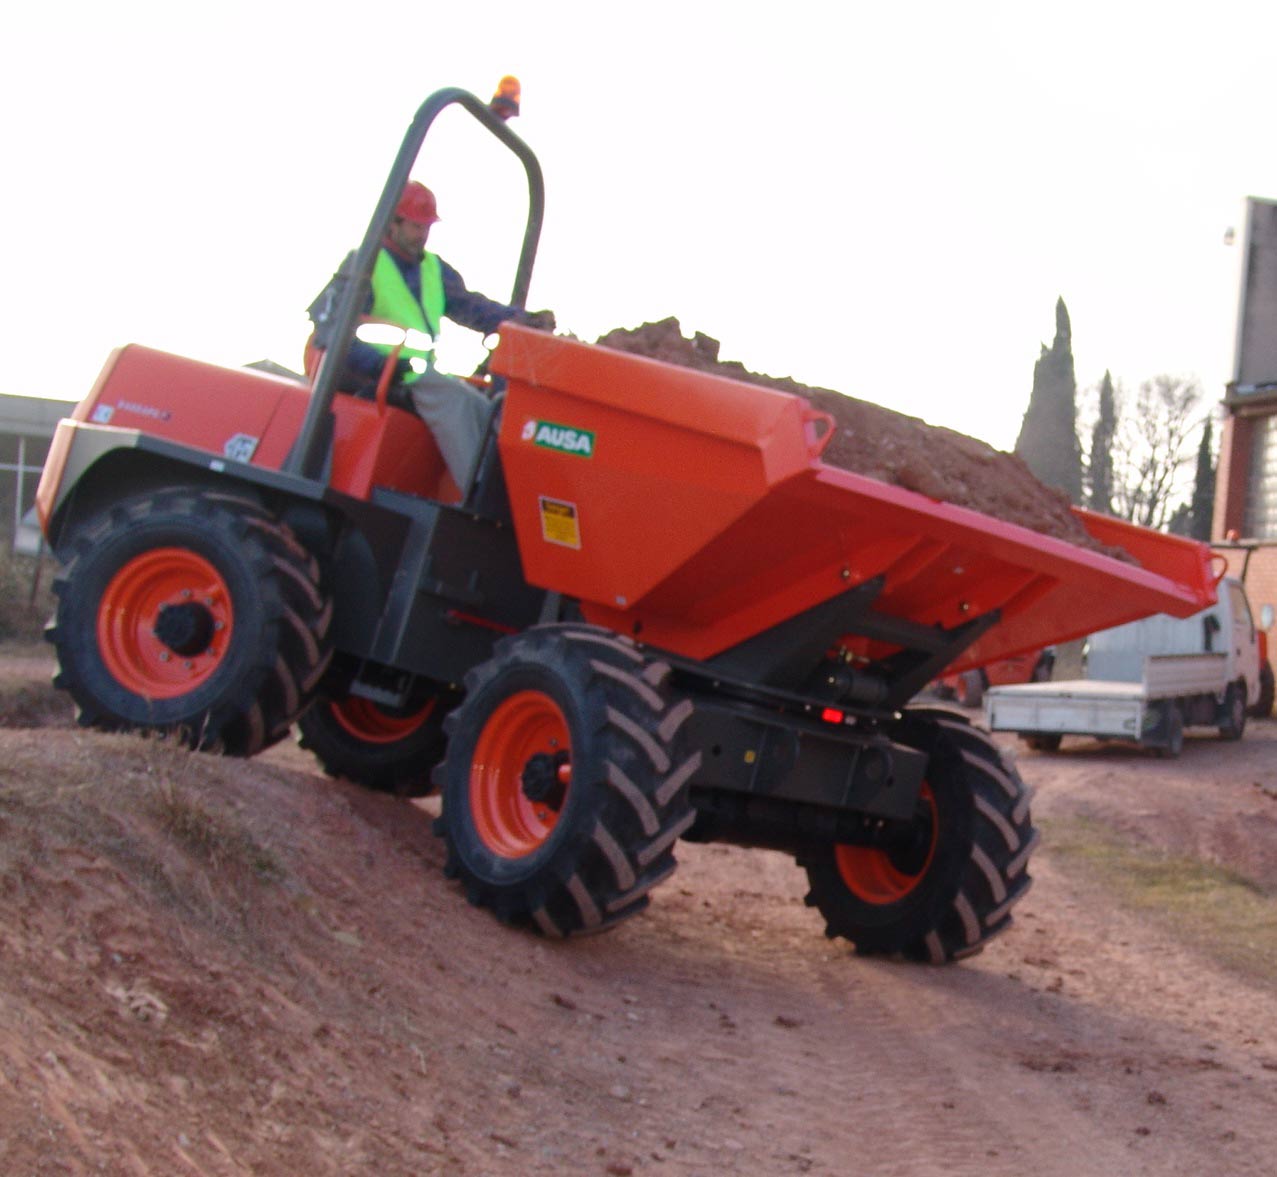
(26, 428)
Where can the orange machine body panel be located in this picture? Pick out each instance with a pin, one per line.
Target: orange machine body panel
(694, 511)
(244, 415)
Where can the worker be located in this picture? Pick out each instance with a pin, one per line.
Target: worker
(414, 288)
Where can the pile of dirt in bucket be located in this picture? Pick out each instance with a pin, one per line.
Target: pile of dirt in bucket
(883, 444)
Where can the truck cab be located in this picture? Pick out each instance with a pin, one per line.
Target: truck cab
(1227, 627)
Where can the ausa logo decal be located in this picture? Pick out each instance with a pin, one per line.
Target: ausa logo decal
(563, 438)
(241, 447)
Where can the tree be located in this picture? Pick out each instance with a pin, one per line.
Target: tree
(1099, 468)
(1181, 520)
(1151, 449)
(1048, 434)
(1203, 502)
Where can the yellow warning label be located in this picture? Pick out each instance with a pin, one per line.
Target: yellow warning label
(559, 524)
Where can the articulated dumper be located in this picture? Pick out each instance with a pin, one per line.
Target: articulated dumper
(656, 615)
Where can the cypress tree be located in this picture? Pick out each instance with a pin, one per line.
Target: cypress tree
(1048, 434)
(1100, 466)
(1203, 507)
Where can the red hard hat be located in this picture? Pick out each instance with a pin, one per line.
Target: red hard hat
(417, 204)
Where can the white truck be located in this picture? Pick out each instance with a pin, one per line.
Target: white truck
(1146, 681)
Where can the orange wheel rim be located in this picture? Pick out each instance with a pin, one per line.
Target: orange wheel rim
(368, 722)
(877, 876)
(164, 623)
(525, 726)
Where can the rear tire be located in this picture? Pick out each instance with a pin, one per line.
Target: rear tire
(190, 612)
(1172, 731)
(1044, 742)
(944, 892)
(380, 749)
(565, 785)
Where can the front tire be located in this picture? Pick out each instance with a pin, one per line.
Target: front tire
(1232, 712)
(941, 889)
(565, 785)
(1264, 704)
(190, 612)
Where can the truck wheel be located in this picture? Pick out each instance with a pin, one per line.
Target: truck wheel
(969, 689)
(190, 612)
(1172, 731)
(388, 751)
(1044, 741)
(944, 886)
(565, 785)
(1232, 712)
(1263, 707)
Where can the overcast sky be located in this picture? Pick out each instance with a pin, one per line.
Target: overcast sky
(884, 199)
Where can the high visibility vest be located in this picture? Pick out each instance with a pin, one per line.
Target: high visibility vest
(393, 302)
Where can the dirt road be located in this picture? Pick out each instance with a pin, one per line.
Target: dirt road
(214, 967)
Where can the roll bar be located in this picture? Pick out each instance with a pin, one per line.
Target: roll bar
(306, 457)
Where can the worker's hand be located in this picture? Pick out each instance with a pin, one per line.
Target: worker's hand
(541, 320)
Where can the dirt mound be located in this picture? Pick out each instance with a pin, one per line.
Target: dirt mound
(883, 444)
(26, 697)
(226, 967)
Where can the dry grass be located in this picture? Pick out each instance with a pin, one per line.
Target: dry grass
(26, 600)
(213, 838)
(27, 696)
(1216, 911)
(154, 809)
(28, 704)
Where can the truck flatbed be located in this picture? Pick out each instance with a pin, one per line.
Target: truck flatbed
(1106, 709)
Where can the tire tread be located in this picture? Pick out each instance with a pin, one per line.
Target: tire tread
(277, 675)
(629, 799)
(955, 918)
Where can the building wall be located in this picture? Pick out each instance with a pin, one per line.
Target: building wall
(1256, 355)
(1259, 572)
(1231, 474)
(1246, 477)
(26, 428)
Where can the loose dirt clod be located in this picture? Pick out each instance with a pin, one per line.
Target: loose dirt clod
(886, 445)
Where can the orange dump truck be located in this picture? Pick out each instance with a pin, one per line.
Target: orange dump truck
(655, 615)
